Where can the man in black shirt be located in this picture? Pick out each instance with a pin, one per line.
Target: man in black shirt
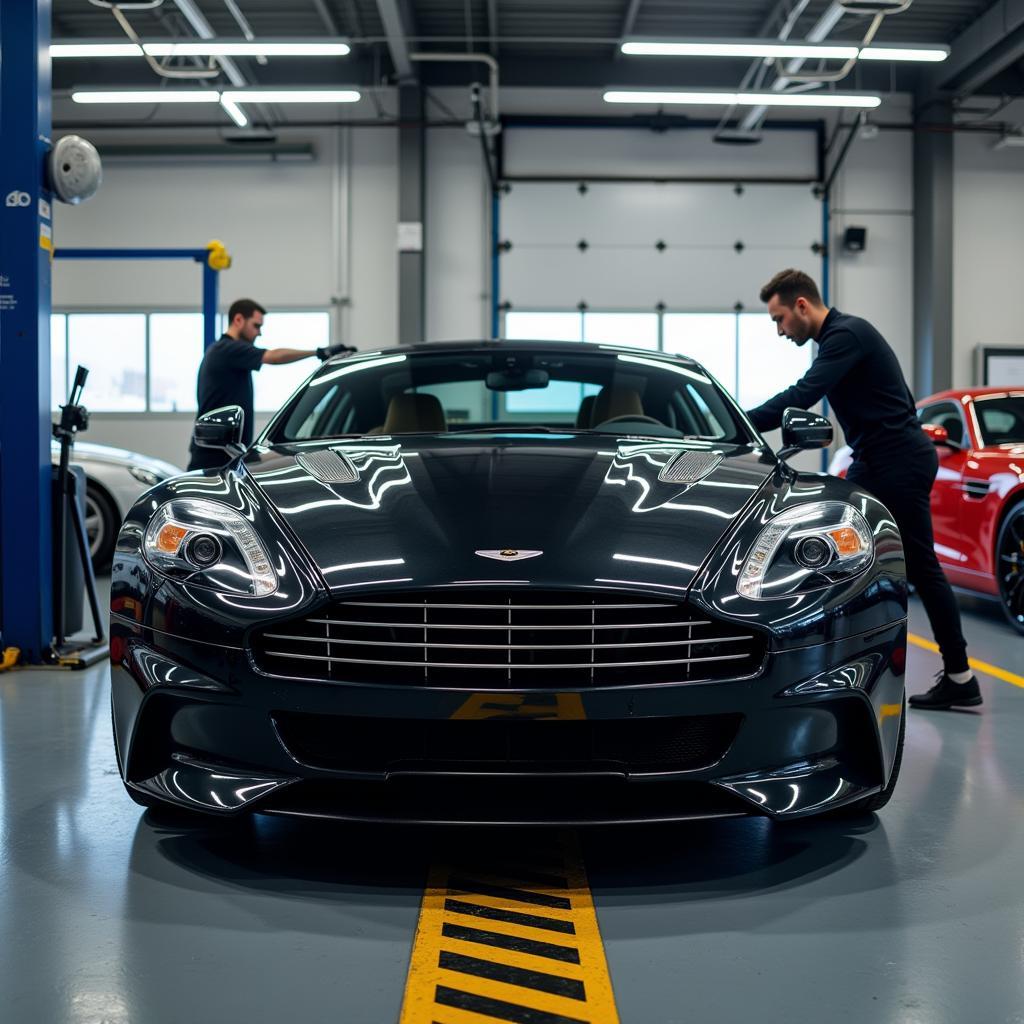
(225, 374)
(859, 374)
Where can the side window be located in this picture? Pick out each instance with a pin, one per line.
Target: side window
(945, 414)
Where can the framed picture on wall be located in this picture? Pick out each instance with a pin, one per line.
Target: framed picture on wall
(999, 366)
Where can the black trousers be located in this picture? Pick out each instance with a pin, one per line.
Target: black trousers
(903, 481)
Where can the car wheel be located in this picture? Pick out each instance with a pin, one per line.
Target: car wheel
(1010, 566)
(101, 525)
(877, 801)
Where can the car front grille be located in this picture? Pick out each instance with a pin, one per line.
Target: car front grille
(387, 745)
(527, 639)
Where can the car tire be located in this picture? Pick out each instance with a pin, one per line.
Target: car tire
(101, 524)
(1009, 564)
(875, 802)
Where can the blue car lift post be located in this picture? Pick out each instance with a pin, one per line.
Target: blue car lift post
(201, 256)
(26, 585)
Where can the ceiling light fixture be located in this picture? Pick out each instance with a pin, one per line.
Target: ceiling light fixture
(745, 99)
(292, 95)
(220, 48)
(738, 48)
(206, 48)
(916, 53)
(59, 50)
(228, 99)
(146, 96)
(781, 50)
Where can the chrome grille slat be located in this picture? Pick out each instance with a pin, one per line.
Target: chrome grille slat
(502, 627)
(500, 607)
(516, 666)
(507, 647)
(465, 639)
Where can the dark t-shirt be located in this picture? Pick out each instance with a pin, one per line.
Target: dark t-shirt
(225, 378)
(860, 375)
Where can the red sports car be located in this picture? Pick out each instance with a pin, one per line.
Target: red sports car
(978, 495)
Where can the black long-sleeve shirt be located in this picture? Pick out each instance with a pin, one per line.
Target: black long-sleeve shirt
(860, 375)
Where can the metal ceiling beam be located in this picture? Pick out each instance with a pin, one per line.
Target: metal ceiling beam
(629, 18)
(326, 17)
(819, 31)
(492, 25)
(991, 44)
(204, 30)
(395, 27)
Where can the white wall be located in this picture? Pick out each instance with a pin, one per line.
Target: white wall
(318, 234)
(988, 249)
(323, 234)
(458, 244)
(874, 190)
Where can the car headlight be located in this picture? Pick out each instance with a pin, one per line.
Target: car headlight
(806, 548)
(211, 545)
(145, 476)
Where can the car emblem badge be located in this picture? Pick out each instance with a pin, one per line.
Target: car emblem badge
(509, 554)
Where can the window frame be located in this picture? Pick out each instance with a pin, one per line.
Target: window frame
(147, 312)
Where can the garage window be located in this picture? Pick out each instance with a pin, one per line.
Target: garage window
(113, 347)
(58, 360)
(149, 362)
(742, 351)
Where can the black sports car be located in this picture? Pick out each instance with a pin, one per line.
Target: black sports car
(509, 582)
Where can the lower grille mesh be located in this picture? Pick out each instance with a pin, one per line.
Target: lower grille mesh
(508, 640)
(342, 743)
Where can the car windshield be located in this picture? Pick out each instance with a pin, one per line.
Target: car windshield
(1001, 418)
(510, 387)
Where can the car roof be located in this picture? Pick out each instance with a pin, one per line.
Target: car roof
(498, 344)
(956, 394)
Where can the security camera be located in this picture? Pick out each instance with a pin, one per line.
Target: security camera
(75, 169)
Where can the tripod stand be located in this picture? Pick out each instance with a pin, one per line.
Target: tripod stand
(73, 418)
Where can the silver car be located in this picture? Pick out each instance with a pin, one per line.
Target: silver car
(115, 477)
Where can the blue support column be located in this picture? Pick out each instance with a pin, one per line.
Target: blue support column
(26, 586)
(210, 280)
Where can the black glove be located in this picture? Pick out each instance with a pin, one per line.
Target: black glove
(333, 350)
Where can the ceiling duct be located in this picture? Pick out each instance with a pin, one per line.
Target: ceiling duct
(870, 7)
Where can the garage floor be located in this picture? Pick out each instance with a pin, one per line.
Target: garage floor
(913, 916)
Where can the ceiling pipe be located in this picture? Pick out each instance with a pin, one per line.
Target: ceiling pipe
(478, 58)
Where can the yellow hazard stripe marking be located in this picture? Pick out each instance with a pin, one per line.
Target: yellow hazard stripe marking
(519, 950)
(978, 666)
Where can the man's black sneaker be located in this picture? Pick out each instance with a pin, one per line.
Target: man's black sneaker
(946, 694)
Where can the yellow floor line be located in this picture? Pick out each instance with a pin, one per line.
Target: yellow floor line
(978, 666)
(535, 955)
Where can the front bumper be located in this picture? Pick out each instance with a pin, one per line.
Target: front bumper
(196, 725)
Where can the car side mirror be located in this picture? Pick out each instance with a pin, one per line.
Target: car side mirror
(221, 428)
(802, 430)
(939, 436)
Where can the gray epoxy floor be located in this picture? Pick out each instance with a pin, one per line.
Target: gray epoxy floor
(913, 916)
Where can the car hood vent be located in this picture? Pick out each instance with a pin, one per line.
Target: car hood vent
(329, 467)
(689, 467)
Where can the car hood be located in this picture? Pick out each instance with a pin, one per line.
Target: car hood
(422, 508)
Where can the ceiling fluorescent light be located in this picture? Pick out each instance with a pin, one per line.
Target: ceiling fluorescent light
(292, 95)
(1010, 140)
(917, 53)
(59, 50)
(222, 48)
(746, 99)
(235, 112)
(737, 48)
(147, 96)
